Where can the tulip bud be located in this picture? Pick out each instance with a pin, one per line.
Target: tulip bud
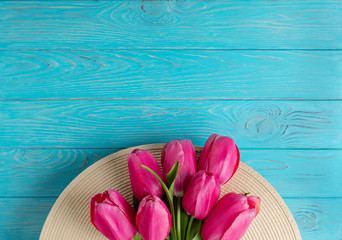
(201, 194)
(231, 217)
(220, 156)
(153, 219)
(184, 152)
(143, 182)
(112, 215)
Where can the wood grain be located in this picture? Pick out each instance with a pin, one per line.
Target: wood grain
(110, 75)
(119, 124)
(171, 25)
(171, 75)
(317, 218)
(23, 218)
(299, 173)
(293, 173)
(43, 172)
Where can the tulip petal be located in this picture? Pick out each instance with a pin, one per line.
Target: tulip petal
(93, 201)
(201, 195)
(225, 211)
(119, 226)
(254, 202)
(223, 148)
(168, 192)
(144, 183)
(112, 215)
(239, 227)
(230, 217)
(220, 156)
(153, 219)
(184, 152)
(122, 204)
(205, 151)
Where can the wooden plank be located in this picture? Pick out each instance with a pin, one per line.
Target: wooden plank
(299, 173)
(171, 25)
(317, 218)
(108, 124)
(171, 75)
(293, 173)
(23, 218)
(43, 172)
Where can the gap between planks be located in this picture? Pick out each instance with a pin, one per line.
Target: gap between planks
(168, 49)
(174, 99)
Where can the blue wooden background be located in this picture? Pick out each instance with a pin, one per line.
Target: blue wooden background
(83, 79)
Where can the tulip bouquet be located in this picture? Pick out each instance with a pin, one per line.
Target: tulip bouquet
(182, 201)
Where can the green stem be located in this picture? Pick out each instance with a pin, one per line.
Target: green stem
(172, 233)
(179, 218)
(189, 228)
(246, 194)
(169, 197)
(200, 226)
(198, 230)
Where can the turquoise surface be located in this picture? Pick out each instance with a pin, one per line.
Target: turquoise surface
(82, 79)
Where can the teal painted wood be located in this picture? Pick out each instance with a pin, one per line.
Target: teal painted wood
(317, 218)
(171, 24)
(171, 75)
(43, 56)
(293, 173)
(108, 124)
(23, 218)
(299, 173)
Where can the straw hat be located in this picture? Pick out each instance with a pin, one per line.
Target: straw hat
(69, 217)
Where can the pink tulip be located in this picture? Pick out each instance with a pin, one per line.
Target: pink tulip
(184, 152)
(220, 156)
(230, 217)
(111, 214)
(153, 219)
(143, 182)
(201, 194)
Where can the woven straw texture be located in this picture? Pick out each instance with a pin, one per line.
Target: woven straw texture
(69, 217)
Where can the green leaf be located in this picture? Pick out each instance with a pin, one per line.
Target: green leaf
(172, 175)
(179, 225)
(184, 222)
(198, 235)
(171, 188)
(188, 231)
(196, 229)
(135, 203)
(158, 178)
(137, 237)
(168, 195)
